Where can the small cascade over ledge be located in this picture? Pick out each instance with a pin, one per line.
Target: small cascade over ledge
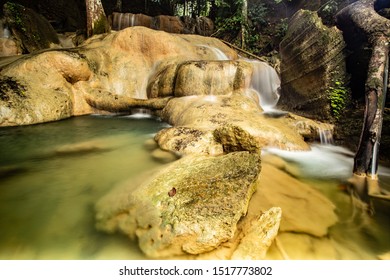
(326, 135)
(266, 82)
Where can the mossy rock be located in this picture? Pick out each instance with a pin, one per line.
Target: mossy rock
(32, 30)
(191, 206)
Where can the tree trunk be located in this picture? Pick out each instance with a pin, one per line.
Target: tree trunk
(97, 22)
(244, 22)
(361, 17)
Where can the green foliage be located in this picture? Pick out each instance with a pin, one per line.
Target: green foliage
(257, 12)
(17, 14)
(338, 97)
(281, 28)
(230, 24)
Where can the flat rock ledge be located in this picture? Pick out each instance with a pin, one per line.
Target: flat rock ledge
(190, 207)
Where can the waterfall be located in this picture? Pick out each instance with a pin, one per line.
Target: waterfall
(219, 55)
(123, 20)
(266, 82)
(119, 21)
(132, 21)
(140, 113)
(326, 136)
(4, 30)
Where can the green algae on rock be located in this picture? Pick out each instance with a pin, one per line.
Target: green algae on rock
(191, 206)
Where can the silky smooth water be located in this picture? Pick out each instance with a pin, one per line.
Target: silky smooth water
(52, 174)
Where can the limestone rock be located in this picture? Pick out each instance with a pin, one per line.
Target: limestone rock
(25, 101)
(9, 47)
(191, 206)
(32, 30)
(259, 237)
(108, 73)
(234, 138)
(205, 114)
(212, 77)
(305, 209)
(188, 140)
(169, 24)
(312, 61)
(309, 129)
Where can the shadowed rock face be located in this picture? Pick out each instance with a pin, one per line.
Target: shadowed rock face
(191, 206)
(172, 24)
(313, 61)
(32, 30)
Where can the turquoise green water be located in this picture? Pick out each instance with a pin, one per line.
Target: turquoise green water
(52, 174)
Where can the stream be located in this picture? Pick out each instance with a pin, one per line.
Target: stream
(52, 174)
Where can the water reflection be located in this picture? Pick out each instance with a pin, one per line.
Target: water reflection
(56, 172)
(52, 174)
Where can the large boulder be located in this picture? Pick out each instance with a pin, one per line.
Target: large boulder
(44, 92)
(109, 72)
(212, 77)
(31, 29)
(191, 206)
(312, 65)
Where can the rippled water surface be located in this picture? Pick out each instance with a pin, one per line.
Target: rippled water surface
(52, 174)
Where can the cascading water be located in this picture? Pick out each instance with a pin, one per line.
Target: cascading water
(219, 55)
(4, 30)
(326, 136)
(123, 20)
(266, 82)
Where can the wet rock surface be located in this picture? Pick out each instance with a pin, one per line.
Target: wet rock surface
(105, 74)
(191, 206)
(203, 124)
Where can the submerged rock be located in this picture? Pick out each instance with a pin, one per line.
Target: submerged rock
(191, 206)
(305, 209)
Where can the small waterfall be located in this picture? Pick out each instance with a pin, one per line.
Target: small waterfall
(4, 30)
(219, 55)
(326, 136)
(123, 20)
(132, 21)
(140, 113)
(266, 82)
